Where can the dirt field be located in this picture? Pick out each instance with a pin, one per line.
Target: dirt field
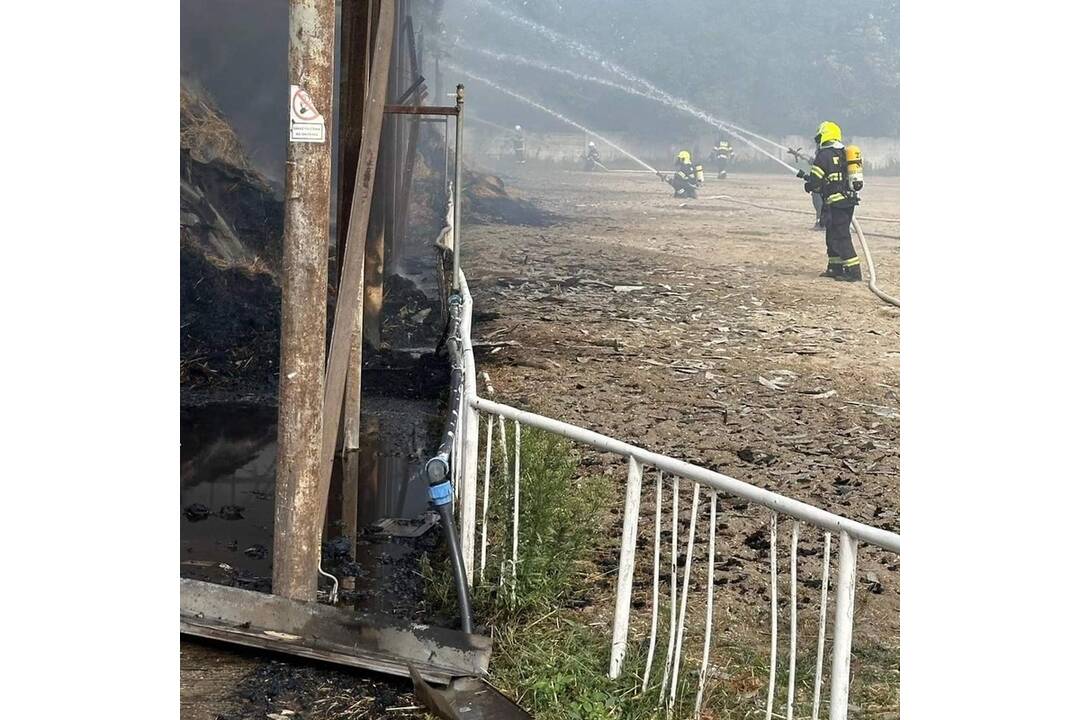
(704, 332)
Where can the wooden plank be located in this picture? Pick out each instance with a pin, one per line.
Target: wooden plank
(290, 646)
(324, 632)
(356, 31)
(355, 249)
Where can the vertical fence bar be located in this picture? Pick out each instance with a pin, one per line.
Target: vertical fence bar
(674, 581)
(772, 642)
(470, 446)
(843, 621)
(517, 507)
(458, 164)
(821, 626)
(487, 487)
(708, 606)
(682, 601)
(655, 579)
(794, 621)
(624, 588)
(505, 457)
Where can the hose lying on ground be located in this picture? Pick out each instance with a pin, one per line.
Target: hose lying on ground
(872, 279)
(871, 274)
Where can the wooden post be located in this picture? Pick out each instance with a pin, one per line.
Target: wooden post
(356, 38)
(352, 277)
(298, 514)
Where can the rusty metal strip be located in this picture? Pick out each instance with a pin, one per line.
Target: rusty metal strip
(420, 110)
(466, 698)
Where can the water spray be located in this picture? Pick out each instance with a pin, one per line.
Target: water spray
(554, 113)
(653, 91)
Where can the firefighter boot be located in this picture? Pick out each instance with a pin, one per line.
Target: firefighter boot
(851, 274)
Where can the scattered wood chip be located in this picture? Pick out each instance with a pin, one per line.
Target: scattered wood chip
(769, 384)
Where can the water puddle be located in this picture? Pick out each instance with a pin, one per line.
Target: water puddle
(227, 478)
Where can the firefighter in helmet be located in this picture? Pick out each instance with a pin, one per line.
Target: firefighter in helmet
(519, 144)
(592, 157)
(687, 177)
(830, 176)
(722, 154)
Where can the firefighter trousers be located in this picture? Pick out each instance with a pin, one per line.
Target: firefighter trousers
(838, 237)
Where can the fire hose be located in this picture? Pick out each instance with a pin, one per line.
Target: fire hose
(872, 275)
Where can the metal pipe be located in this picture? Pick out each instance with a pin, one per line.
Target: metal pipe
(470, 435)
(794, 626)
(772, 616)
(624, 585)
(843, 623)
(677, 657)
(821, 627)
(460, 582)
(784, 505)
(439, 469)
(487, 487)
(674, 582)
(517, 508)
(446, 152)
(708, 606)
(655, 579)
(459, 132)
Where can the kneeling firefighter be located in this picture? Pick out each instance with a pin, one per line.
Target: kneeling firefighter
(687, 177)
(836, 174)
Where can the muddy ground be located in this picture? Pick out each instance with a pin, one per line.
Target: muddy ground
(704, 332)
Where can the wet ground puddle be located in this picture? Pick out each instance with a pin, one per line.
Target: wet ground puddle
(227, 471)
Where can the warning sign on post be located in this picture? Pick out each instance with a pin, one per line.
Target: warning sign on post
(306, 124)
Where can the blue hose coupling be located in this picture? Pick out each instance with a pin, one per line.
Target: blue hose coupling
(441, 494)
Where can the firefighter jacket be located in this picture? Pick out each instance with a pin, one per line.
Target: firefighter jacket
(828, 176)
(685, 171)
(723, 151)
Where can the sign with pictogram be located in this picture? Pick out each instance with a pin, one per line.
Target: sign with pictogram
(306, 124)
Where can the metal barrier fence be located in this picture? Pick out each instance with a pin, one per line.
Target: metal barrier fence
(849, 533)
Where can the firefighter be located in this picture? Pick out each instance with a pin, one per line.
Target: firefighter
(519, 144)
(592, 157)
(829, 176)
(687, 177)
(722, 155)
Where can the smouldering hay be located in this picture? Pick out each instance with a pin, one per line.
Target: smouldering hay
(204, 132)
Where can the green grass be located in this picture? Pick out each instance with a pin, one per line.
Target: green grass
(551, 647)
(548, 655)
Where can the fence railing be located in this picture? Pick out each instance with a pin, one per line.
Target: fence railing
(848, 534)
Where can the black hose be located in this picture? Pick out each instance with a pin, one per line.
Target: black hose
(438, 473)
(458, 564)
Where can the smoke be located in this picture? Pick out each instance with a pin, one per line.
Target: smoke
(237, 50)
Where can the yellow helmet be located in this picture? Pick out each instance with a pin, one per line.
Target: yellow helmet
(828, 132)
(683, 156)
